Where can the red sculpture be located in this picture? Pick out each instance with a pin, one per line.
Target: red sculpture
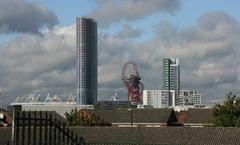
(132, 82)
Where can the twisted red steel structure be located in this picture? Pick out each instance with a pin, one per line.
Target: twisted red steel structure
(132, 82)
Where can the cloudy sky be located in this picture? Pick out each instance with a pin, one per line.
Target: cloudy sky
(37, 44)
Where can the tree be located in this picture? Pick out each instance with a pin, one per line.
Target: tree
(82, 118)
(227, 114)
(71, 118)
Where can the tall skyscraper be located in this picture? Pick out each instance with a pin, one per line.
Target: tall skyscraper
(171, 75)
(86, 60)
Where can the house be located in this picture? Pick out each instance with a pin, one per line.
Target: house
(136, 117)
(196, 117)
(5, 119)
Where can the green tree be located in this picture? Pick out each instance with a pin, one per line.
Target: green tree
(71, 117)
(227, 114)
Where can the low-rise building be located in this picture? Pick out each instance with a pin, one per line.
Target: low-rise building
(159, 98)
(188, 97)
(60, 108)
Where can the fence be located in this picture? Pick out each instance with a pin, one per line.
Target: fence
(41, 128)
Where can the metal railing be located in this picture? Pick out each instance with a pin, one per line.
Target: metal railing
(41, 128)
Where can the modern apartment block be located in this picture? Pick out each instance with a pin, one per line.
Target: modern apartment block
(86, 60)
(159, 98)
(171, 75)
(188, 97)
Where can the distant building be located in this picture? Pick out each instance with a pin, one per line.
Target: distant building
(159, 98)
(51, 103)
(86, 60)
(60, 108)
(188, 97)
(171, 75)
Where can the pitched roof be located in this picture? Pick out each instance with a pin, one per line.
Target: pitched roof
(138, 115)
(151, 135)
(5, 135)
(160, 135)
(195, 116)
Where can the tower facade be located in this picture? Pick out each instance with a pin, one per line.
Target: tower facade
(86, 60)
(171, 75)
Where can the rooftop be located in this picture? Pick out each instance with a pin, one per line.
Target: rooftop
(138, 115)
(195, 116)
(162, 135)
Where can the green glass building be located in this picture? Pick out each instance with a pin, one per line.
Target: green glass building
(171, 75)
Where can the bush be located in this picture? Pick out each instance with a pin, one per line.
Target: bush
(228, 113)
(82, 118)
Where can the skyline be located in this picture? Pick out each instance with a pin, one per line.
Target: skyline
(203, 35)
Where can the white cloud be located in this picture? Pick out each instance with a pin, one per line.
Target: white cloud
(38, 62)
(109, 12)
(21, 16)
(128, 32)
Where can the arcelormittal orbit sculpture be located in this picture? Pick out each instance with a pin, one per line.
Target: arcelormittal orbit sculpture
(132, 82)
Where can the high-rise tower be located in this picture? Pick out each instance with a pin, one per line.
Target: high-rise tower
(86, 60)
(171, 75)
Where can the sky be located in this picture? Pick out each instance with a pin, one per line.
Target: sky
(37, 45)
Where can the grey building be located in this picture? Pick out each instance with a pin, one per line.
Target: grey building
(86, 60)
(171, 75)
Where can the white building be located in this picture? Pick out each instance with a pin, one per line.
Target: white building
(189, 97)
(159, 98)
